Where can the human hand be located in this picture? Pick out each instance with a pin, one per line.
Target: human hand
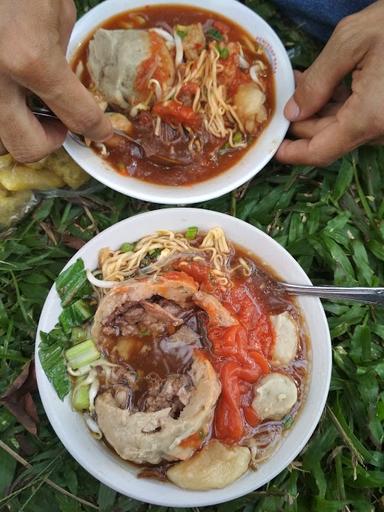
(33, 40)
(329, 121)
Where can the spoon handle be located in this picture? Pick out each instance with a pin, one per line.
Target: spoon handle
(40, 111)
(367, 295)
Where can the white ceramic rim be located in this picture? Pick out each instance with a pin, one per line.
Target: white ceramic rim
(102, 463)
(255, 158)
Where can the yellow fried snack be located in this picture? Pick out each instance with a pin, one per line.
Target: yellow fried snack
(6, 161)
(68, 170)
(11, 205)
(17, 181)
(20, 177)
(55, 171)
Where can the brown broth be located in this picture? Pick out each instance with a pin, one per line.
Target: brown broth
(123, 156)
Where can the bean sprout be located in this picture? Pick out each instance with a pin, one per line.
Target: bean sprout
(93, 426)
(179, 49)
(164, 34)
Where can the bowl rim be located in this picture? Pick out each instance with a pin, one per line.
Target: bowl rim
(201, 498)
(219, 184)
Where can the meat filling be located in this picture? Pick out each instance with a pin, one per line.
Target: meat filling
(173, 392)
(145, 318)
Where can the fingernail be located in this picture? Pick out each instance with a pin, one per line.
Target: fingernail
(292, 110)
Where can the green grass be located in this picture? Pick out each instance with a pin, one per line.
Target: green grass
(331, 220)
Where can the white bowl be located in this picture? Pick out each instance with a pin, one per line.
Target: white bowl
(114, 472)
(250, 164)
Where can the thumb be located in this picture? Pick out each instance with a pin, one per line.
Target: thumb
(315, 86)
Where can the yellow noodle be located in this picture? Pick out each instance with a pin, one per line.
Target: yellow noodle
(118, 266)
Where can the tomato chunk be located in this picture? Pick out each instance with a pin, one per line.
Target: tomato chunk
(173, 112)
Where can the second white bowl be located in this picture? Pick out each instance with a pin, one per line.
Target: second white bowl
(254, 159)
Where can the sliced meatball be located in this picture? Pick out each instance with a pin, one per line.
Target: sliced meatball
(249, 102)
(121, 63)
(286, 339)
(275, 395)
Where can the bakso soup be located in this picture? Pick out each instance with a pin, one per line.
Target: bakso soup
(189, 360)
(193, 88)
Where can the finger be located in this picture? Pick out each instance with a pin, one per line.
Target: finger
(324, 148)
(3, 150)
(341, 93)
(317, 84)
(23, 135)
(330, 109)
(309, 128)
(56, 84)
(377, 142)
(67, 20)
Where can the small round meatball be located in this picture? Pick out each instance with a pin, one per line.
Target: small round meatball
(275, 395)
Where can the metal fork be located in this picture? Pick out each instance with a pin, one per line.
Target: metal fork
(359, 294)
(163, 160)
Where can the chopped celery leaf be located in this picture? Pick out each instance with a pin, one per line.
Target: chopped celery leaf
(75, 315)
(51, 353)
(80, 397)
(82, 354)
(78, 334)
(73, 284)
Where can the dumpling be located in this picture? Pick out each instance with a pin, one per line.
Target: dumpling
(150, 437)
(121, 63)
(214, 467)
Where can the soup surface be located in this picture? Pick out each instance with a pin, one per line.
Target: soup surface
(192, 87)
(196, 357)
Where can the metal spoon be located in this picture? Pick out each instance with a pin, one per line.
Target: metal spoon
(359, 294)
(166, 161)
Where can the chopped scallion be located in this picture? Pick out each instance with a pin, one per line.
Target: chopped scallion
(238, 137)
(288, 421)
(191, 233)
(223, 52)
(127, 247)
(213, 33)
(154, 254)
(82, 354)
(181, 33)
